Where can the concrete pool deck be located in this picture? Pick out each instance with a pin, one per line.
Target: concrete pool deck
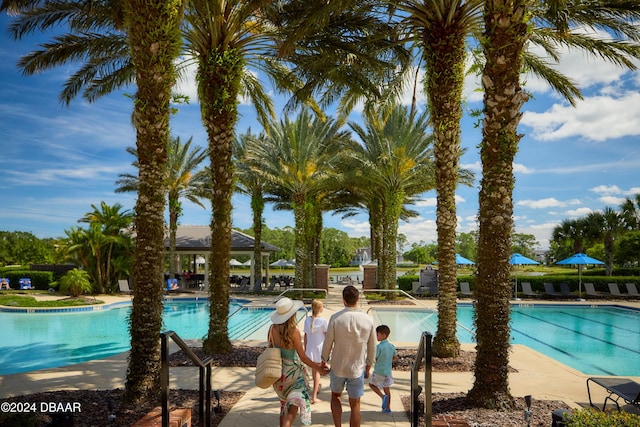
(537, 375)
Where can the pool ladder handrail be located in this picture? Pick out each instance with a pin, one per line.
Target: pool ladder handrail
(205, 364)
(302, 290)
(424, 359)
(416, 301)
(398, 291)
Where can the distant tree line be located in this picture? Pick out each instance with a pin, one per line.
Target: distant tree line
(466, 245)
(612, 236)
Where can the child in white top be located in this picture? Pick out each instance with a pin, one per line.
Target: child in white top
(315, 329)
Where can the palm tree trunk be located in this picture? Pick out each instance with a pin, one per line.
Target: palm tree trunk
(257, 207)
(300, 244)
(219, 82)
(174, 211)
(389, 239)
(375, 218)
(445, 62)
(506, 33)
(154, 38)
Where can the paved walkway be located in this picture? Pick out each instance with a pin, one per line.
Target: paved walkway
(537, 375)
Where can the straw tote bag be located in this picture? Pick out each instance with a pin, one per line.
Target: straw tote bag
(269, 366)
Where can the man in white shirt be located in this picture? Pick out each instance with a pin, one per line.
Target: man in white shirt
(350, 345)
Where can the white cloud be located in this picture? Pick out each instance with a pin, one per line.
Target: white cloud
(584, 70)
(356, 228)
(520, 168)
(612, 200)
(548, 202)
(418, 229)
(587, 120)
(428, 202)
(607, 189)
(576, 213)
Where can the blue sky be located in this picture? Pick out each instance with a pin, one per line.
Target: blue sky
(57, 161)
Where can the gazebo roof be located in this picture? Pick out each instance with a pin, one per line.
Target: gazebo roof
(197, 238)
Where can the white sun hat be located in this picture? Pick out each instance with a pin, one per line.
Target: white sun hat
(285, 308)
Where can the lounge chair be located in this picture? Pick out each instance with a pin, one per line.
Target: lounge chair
(123, 286)
(415, 287)
(618, 388)
(527, 291)
(25, 283)
(244, 285)
(565, 291)
(590, 290)
(432, 288)
(615, 291)
(549, 290)
(465, 289)
(632, 290)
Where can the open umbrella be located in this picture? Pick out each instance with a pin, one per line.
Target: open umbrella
(519, 259)
(234, 263)
(580, 259)
(460, 260)
(279, 263)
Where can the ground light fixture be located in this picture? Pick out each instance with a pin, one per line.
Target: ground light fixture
(528, 415)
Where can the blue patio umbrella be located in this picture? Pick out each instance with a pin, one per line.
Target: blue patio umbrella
(463, 261)
(580, 259)
(519, 259)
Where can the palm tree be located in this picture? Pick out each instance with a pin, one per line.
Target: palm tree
(574, 230)
(506, 30)
(182, 180)
(153, 34)
(108, 223)
(441, 29)
(394, 163)
(508, 27)
(606, 225)
(117, 43)
(630, 209)
(252, 184)
(297, 161)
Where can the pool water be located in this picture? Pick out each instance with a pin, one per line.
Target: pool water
(596, 340)
(32, 341)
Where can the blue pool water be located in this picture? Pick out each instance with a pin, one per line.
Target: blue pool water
(602, 340)
(32, 341)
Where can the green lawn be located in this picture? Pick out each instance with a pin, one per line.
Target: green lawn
(13, 300)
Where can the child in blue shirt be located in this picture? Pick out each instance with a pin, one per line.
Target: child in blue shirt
(381, 378)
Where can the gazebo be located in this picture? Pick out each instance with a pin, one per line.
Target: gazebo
(195, 240)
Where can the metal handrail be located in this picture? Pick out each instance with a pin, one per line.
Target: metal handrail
(205, 378)
(417, 301)
(423, 356)
(400, 291)
(326, 293)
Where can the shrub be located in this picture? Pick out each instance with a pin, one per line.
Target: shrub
(405, 281)
(593, 418)
(75, 282)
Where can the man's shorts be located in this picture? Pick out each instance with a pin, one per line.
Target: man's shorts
(381, 381)
(355, 386)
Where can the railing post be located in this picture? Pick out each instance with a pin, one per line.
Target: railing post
(423, 357)
(208, 392)
(205, 376)
(164, 378)
(202, 396)
(428, 402)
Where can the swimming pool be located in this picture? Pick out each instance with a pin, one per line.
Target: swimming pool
(596, 340)
(32, 341)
